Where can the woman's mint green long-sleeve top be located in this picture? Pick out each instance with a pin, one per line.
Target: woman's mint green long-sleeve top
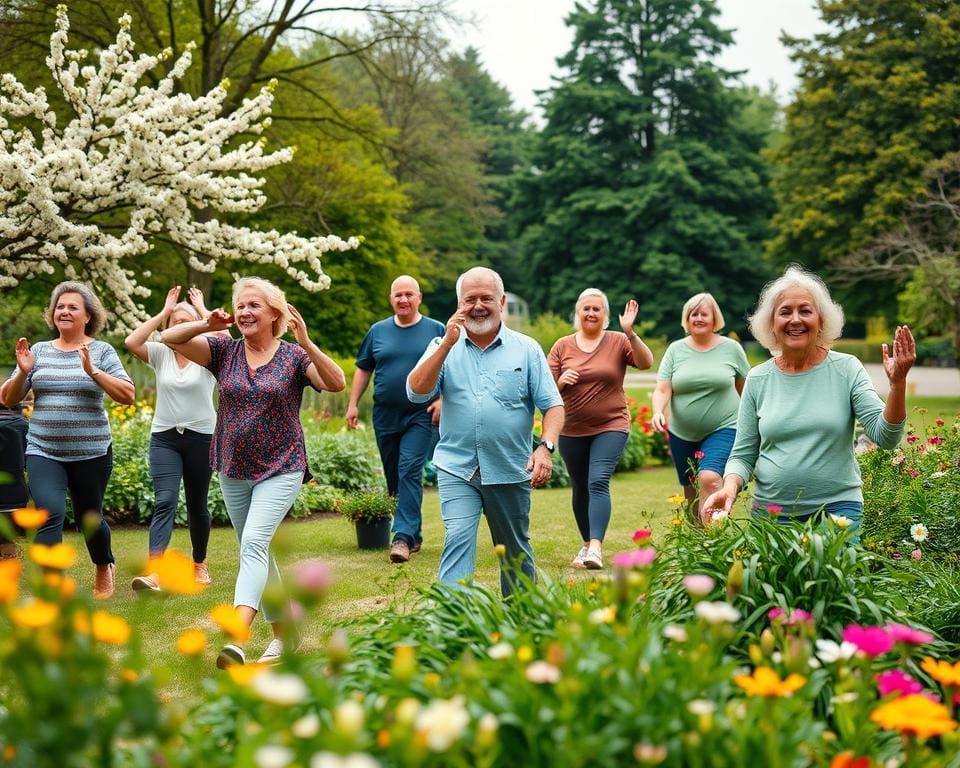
(795, 433)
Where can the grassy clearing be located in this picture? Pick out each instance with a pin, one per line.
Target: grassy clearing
(365, 581)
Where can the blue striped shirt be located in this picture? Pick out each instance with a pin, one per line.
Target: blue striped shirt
(68, 421)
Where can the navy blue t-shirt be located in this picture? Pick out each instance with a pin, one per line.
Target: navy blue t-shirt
(391, 352)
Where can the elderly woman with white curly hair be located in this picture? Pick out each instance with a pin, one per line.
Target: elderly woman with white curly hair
(798, 409)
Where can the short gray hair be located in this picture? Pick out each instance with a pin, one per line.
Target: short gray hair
(795, 276)
(695, 301)
(473, 271)
(183, 306)
(585, 294)
(98, 315)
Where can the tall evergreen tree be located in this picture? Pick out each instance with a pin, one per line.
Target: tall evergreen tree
(646, 181)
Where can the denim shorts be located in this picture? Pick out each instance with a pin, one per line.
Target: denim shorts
(716, 449)
(849, 509)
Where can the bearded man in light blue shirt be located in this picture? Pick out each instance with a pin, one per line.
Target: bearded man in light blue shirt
(490, 379)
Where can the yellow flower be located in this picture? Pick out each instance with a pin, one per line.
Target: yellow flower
(766, 682)
(59, 556)
(677, 499)
(111, 629)
(81, 623)
(9, 580)
(175, 571)
(129, 676)
(29, 517)
(525, 653)
(192, 642)
(35, 614)
(676, 521)
(914, 714)
(431, 680)
(66, 585)
(242, 674)
(943, 672)
(228, 619)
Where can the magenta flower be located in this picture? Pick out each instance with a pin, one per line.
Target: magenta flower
(774, 613)
(797, 615)
(638, 558)
(901, 633)
(698, 584)
(936, 440)
(898, 682)
(911, 438)
(698, 454)
(873, 641)
(641, 534)
(774, 509)
(914, 473)
(939, 422)
(789, 618)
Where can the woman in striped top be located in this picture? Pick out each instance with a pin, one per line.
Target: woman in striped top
(69, 441)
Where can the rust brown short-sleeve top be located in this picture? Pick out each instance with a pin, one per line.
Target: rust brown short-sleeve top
(596, 403)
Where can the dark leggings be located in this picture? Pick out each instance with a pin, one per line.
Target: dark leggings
(591, 461)
(174, 456)
(86, 481)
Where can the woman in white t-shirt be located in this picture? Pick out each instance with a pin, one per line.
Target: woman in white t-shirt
(183, 424)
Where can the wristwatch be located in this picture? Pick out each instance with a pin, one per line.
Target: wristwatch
(548, 445)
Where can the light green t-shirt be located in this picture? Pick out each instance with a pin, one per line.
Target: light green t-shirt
(795, 433)
(704, 399)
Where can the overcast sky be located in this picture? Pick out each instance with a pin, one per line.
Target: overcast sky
(519, 40)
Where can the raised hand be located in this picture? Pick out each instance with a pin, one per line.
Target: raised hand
(195, 296)
(219, 320)
(25, 358)
(173, 296)
(85, 360)
(297, 326)
(904, 355)
(455, 326)
(629, 316)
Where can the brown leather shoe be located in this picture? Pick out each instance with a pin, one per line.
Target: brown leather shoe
(414, 549)
(200, 573)
(103, 582)
(399, 551)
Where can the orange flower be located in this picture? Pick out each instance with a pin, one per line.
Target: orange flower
(242, 674)
(228, 619)
(111, 629)
(847, 760)
(30, 517)
(192, 642)
(9, 579)
(129, 676)
(35, 614)
(766, 682)
(175, 571)
(914, 714)
(66, 585)
(59, 556)
(81, 623)
(943, 672)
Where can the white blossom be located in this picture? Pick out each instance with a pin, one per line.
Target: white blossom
(146, 159)
(716, 612)
(284, 689)
(829, 651)
(442, 722)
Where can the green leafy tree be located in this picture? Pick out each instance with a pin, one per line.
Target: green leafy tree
(878, 101)
(648, 179)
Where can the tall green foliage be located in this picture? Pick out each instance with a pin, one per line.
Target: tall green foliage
(878, 101)
(648, 179)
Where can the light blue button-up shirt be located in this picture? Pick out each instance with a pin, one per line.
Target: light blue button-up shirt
(489, 396)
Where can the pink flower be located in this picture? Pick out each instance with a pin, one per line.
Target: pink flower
(789, 618)
(873, 641)
(698, 454)
(774, 613)
(901, 633)
(916, 554)
(899, 458)
(939, 422)
(911, 438)
(895, 681)
(774, 509)
(913, 473)
(638, 558)
(313, 576)
(897, 556)
(641, 534)
(936, 440)
(698, 584)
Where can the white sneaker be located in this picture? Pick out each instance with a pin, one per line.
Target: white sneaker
(273, 652)
(230, 655)
(592, 561)
(578, 560)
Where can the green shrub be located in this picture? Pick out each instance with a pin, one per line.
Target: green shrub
(368, 506)
(346, 460)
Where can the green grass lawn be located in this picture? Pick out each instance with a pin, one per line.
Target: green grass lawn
(365, 580)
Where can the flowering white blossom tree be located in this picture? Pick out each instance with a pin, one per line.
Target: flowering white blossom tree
(134, 163)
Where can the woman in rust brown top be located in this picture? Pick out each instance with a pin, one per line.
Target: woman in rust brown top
(589, 367)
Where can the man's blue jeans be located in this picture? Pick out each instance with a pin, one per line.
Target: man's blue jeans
(403, 455)
(507, 508)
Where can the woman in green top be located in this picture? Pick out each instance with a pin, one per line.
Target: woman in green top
(795, 429)
(700, 377)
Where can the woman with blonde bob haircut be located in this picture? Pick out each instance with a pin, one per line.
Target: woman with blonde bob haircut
(700, 379)
(258, 447)
(797, 415)
(589, 367)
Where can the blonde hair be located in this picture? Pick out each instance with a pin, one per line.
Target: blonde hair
(92, 305)
(695, 301)
(795, 276)
(586, 294)
(275, 298)
(183, 306)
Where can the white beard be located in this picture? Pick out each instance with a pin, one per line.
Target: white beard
(482, 327)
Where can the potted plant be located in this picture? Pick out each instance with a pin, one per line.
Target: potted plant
(370, 511)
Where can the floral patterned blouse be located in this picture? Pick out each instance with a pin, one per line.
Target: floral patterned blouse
(258, 432)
